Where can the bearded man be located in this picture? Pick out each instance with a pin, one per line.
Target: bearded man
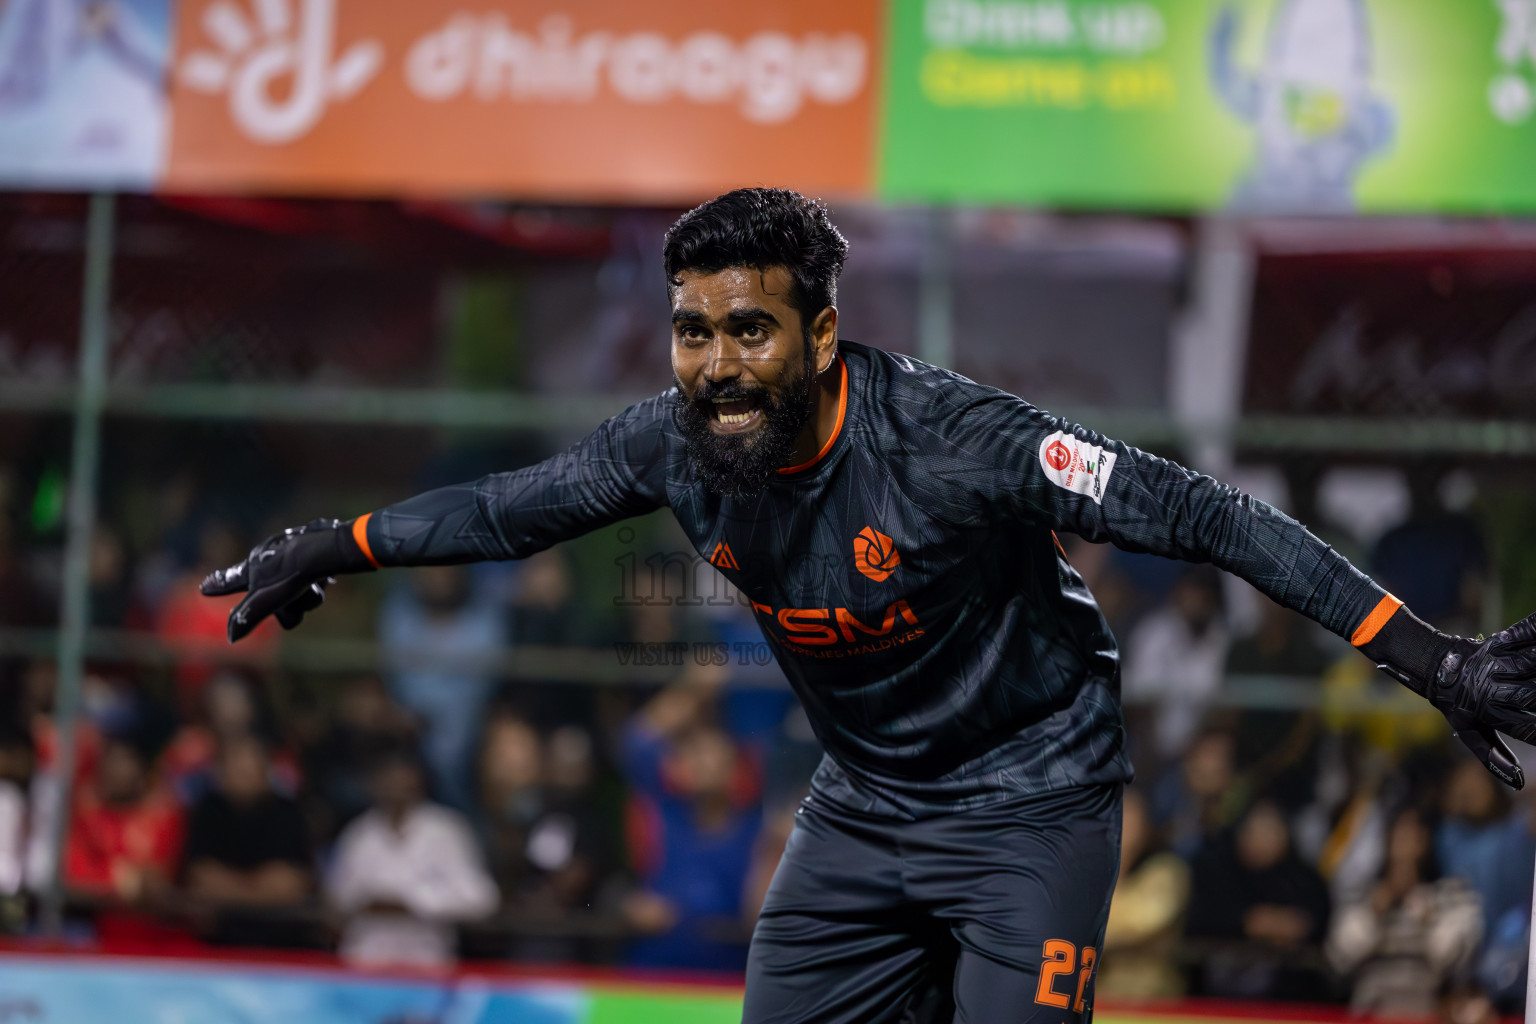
(892, 524)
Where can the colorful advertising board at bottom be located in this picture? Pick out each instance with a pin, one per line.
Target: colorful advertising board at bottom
(48, 989)
(36, 989)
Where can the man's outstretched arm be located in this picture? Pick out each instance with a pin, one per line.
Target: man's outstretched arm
(1040, 469)
(616, 472)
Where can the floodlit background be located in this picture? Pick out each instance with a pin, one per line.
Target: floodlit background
(263, 261)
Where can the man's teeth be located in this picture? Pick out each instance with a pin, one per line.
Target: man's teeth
(732, 419)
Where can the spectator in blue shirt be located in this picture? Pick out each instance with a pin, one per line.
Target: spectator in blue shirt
(694, 820)
(1484, 842)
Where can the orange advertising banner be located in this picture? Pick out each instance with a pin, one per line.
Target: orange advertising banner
(663, 101)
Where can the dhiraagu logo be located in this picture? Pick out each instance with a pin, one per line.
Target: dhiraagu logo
(278, 65)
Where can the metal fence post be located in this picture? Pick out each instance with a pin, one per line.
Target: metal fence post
(74, 613)
(936, 290)
(1207, 357)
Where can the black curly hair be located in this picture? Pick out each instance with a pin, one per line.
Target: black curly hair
(762, 228)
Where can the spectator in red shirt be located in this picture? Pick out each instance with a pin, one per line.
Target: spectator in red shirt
(195, 626)
(125, 837)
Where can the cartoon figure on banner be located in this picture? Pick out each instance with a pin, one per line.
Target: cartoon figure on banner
(1311, 104)
(82, 96)
(1510, 94)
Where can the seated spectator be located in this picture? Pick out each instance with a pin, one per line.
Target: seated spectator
(1198, 797)
(229, 708)
(22, 601)
(1286, 644)
(405, 873)
(1149, 902)
(572, 782)
(367, 724)
(1437, 561)
(35, 712)
(246, 847)
(1413, 934)
(1259, 904)
(1483, 839)
(532, 845)
(19, 837)
(1504, 962)
(548, 845)
(125, 835)
(697, 820)
(1343, 830)
(1176, 657)
(39, 684)
(544, 612)
(111, 589)
(441, 635)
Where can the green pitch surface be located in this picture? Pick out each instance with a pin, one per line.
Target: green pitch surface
(694, 1007)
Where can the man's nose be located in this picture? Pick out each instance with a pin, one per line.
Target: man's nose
(724, 359)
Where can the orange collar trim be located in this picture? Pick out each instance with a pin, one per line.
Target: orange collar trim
(837, 428)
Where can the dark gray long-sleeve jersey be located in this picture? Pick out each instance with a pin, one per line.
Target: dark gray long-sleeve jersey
(908, 579)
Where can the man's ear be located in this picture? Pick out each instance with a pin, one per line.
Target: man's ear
(824, 338)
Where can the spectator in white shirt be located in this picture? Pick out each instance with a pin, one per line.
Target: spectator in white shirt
(1176, 657)
(23, 859)
(406, 873)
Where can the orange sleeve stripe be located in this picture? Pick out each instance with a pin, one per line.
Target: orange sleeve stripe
(1383, 611)
(360, 534)
(1059, 547)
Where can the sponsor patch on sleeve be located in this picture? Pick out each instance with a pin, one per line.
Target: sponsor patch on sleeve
(1077, 466)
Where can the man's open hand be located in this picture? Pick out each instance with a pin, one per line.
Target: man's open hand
(1487, 685)
(287, 574)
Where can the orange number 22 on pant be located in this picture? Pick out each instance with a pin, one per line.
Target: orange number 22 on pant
(1060, 957)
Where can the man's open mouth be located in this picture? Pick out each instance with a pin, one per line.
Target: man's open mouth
(732, 415)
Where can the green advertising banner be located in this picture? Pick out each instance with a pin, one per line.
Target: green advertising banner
(1316, 106)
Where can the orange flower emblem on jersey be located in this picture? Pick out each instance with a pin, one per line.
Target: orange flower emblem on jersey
(875, 554)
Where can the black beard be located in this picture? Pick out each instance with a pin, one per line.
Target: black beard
(735, 466)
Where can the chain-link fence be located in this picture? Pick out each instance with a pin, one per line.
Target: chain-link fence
(266, 362)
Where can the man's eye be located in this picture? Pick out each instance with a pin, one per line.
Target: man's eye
(752, 331)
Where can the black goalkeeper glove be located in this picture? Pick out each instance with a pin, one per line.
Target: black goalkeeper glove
(287, 574)
(1479, 685)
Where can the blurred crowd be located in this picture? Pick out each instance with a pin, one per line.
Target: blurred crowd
(441, 806)
(448, 806)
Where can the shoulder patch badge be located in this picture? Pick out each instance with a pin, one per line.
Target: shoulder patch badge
(1077, 466)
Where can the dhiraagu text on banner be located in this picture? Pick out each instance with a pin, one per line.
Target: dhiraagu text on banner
(1314, 106)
